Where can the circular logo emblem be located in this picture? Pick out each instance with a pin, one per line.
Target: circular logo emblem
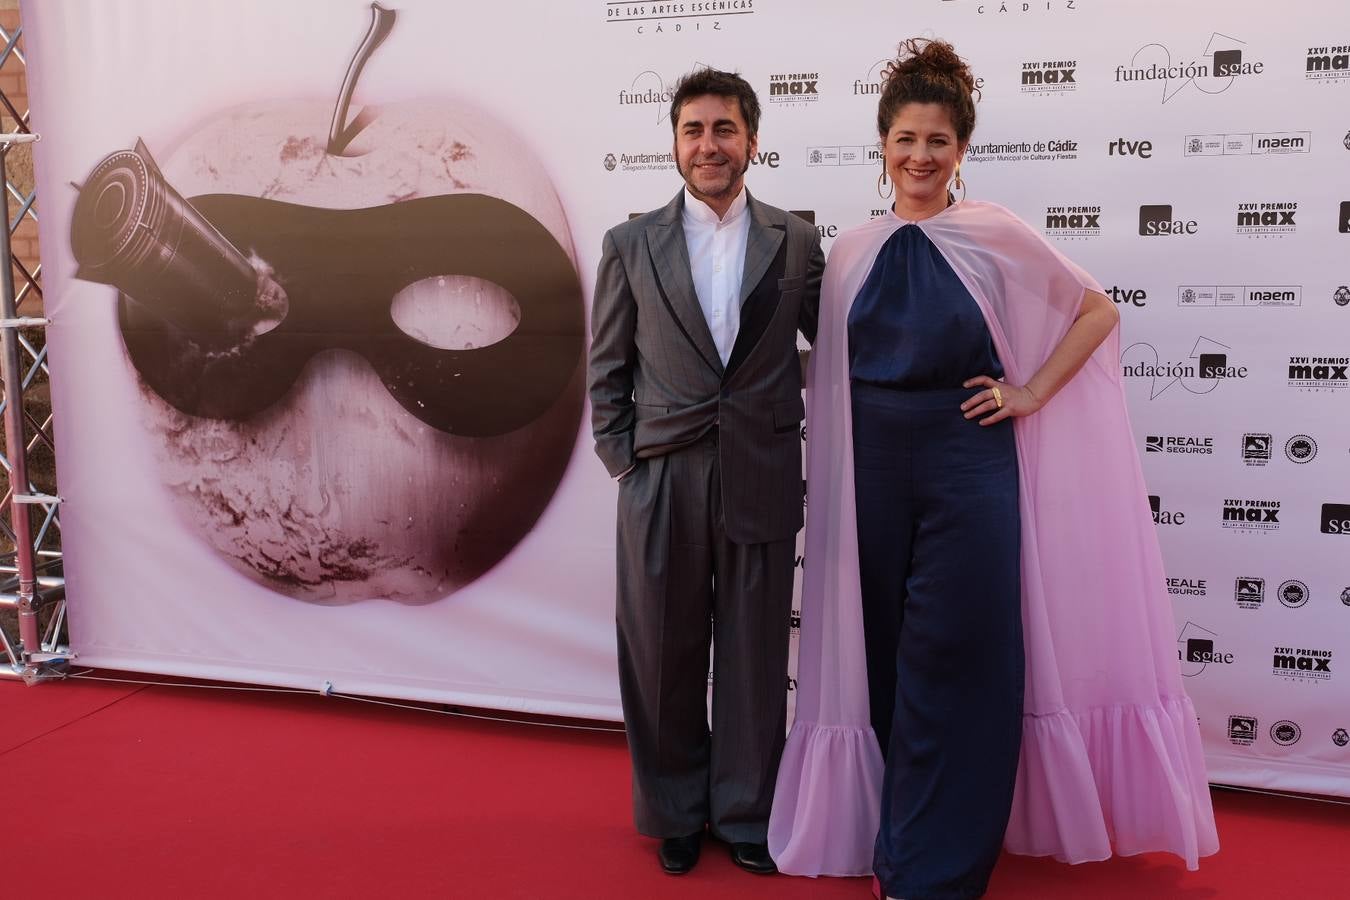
(1285, 732)
(1293, 594)
(1300, 448)
(1196, 145)
(1342, 295)
(1345, 596)
(1188, 296)
(1340, 737)
(610, 162)
(1347, 140)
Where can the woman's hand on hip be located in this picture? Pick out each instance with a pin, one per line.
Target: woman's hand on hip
(998, 400)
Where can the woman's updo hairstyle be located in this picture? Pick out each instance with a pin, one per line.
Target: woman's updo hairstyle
(928, 71)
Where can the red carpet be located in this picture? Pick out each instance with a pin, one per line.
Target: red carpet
(121, 791)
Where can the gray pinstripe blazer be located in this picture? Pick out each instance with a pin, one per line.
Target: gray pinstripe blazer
(657, 382)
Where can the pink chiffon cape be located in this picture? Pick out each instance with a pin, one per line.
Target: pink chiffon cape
(1111, 754)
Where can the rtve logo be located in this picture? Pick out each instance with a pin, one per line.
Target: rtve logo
(1126, 147)
(1128, 296)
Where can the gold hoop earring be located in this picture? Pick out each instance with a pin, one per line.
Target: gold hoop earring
(881, 179)
(959, 183)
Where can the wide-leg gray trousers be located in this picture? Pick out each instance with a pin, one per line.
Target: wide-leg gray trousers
(682, 583)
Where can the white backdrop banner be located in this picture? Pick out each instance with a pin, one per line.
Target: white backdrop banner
(319, 275)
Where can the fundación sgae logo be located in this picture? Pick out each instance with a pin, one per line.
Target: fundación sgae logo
(1223, 61)
(1201, 372)
(1196, 650)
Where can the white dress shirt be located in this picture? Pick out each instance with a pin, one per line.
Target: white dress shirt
(717, 262)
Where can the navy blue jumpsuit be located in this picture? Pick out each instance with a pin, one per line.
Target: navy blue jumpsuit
(938, 545)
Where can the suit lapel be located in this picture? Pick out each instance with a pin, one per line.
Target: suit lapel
(761, 246)
(670, 259)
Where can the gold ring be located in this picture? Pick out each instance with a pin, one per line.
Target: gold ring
(998, 397)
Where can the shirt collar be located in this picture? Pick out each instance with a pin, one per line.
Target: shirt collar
(702, 213)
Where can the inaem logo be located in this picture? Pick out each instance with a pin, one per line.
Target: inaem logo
(1157, 220)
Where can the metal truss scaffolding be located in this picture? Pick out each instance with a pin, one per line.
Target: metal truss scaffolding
(32, 584)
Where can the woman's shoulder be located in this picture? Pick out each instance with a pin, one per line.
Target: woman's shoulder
(866, 231)
(990, 219)
(994, 212)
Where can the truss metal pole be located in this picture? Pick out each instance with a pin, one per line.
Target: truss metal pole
(15, 445)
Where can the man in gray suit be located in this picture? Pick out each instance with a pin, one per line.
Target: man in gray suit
(696, 396)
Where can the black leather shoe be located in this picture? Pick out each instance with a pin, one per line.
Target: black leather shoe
(753, 858)
(679, 854)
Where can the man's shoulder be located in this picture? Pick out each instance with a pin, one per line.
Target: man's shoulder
(635, 225)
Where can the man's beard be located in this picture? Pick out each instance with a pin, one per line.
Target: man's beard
(732, 182)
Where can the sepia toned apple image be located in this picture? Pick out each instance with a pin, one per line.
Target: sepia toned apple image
(358, 338)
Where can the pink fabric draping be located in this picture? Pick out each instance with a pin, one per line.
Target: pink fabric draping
(1111, 754)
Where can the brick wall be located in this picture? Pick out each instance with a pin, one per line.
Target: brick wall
(19, 162)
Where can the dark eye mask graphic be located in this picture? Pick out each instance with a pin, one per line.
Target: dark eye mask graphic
(192, 302)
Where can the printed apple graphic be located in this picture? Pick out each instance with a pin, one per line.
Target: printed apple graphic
(363, 366)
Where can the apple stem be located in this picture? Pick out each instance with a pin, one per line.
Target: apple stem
(381, 23)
